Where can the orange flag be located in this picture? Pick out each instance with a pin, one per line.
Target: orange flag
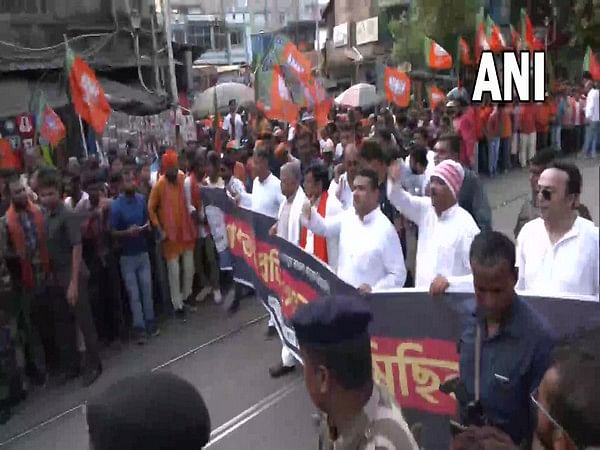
(282, 105)
(86, 93)
(465, 56)
(397, 87)
(436, 56)
(52, 127)
(481, 41)
(296, 61)
(436, 96)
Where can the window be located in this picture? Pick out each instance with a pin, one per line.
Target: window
(236, 38)
(282, 18)
(259, 19)
(199, 34)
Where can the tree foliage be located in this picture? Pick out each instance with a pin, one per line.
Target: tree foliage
(441, 20)
(587, 22)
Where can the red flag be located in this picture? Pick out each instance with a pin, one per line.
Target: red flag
(436, 56)
(52, 127)
(436, 96)
(591, 64)
(86, 93)
(397, 87)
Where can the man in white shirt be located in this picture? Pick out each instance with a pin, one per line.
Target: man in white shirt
(370, 255)
(342, 190)
(558, 252)
(315, 184)
(77, 200)
(233, 123)
(266, 197)
(288, 227)
(445, 229)
(347, 137)
(592, 118)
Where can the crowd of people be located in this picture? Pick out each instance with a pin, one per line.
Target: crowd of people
(98, 249)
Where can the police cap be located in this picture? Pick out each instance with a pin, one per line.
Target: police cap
(331, 320)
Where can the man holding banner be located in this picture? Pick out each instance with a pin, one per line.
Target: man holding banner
(288, 227)
(370, 256)
(445, 229)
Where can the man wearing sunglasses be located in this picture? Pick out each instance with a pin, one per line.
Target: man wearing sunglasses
(568, 398)
(557, 253)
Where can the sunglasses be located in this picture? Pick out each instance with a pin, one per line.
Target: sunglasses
(545, 193)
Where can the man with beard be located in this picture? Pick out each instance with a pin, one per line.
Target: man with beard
(288, 227)
(568, 398)
(129, 221)
(67, 295)
(315, 187)
(505, 346)
(345, 185)
(170, 215)
(445, 229)
(23, 247)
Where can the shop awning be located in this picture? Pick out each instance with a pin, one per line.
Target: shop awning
(16, 94)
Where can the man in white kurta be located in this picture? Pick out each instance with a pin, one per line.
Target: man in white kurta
(342, 190)
(557, 254)
(326, 205)
(266, 196)
(445, 229)
(288, 227)
(370, 255)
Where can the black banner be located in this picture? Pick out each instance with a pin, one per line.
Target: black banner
(414, 336)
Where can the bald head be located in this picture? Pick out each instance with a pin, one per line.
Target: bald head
(291, 174)
(351, 160)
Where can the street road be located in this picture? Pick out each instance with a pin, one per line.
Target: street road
(227, 358)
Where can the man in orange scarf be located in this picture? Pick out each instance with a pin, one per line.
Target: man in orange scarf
(169, 213)
(316, 181)
(23, 246)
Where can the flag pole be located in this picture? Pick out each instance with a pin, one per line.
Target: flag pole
(83, 140)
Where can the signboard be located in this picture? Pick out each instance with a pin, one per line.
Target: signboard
(367, 31)
(340, 35)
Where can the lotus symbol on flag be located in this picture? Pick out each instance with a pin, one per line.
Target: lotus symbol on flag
(51, 121)
(291, 61)
(397, 86)
(436, 96)
(90, 90)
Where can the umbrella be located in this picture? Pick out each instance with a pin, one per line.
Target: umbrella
(361, 95)
(204, 103)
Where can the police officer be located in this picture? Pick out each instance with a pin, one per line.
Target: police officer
(335, 346)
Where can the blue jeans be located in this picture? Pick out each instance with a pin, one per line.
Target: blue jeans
(555, 139)
(137, 276)
(592, 131)
(493, 150)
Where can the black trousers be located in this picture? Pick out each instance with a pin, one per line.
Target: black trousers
(57, 322)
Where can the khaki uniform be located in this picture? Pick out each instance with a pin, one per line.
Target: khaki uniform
(380, 426)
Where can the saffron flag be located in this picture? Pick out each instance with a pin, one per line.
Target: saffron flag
(496, 39)
(516, 39)
(282, 106)
(591, 64)
(48, 123)
(86, 93)
(436, 56)
(464, 54)
(528, 39)
(481, 41)
(436, 96)
(397, 87)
